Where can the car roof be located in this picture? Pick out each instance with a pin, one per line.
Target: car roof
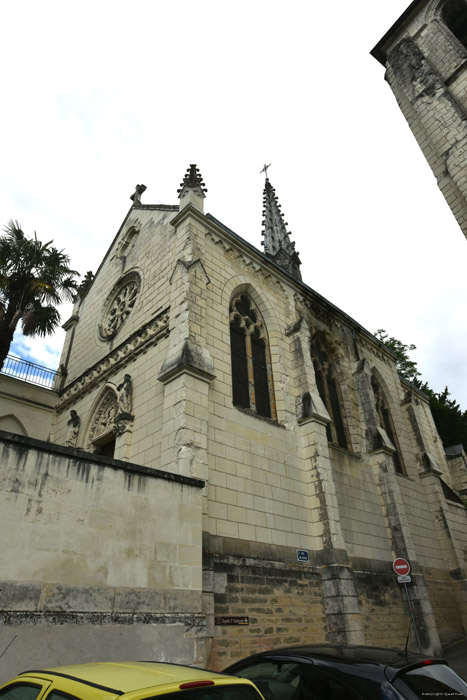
(125, 677)
(347, 655)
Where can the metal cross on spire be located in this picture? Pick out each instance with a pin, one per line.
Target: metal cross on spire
(265, 170)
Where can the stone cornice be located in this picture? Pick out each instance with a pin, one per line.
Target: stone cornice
(149, 334)
(72, 321)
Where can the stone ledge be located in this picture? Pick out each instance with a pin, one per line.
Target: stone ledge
(17, 618)
(24, 444)
(44, 598)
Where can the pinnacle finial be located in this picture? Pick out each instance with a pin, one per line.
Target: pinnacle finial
(277, 243)
(192, 179)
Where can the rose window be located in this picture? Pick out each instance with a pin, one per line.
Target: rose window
(119, 306)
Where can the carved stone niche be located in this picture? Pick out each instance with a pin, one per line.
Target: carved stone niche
(112, 418)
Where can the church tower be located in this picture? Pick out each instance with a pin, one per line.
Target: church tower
(425, 55)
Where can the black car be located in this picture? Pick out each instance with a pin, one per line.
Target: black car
(349, 673)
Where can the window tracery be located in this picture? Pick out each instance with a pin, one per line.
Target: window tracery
(252, 386)
(119, 305)
(386, 422)
(328, 389)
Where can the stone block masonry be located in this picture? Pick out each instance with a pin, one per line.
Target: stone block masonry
(96, 551)
(283, 603)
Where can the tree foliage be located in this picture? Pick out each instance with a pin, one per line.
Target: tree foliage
(406, 367)
(35, 278)
(450, 420)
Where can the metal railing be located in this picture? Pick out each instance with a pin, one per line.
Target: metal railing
(29, 371)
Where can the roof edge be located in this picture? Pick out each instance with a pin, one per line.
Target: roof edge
(377, 51)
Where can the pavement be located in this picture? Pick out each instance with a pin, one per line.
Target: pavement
(456, 656)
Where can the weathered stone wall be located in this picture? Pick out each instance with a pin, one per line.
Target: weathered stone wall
(427, 71)
(445, 593)
(457, 463)
(282, 600)
(149, 256)
(383, 610)
(26, 409)
(89, 542)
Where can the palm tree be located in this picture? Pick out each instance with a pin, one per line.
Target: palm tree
(35, 278)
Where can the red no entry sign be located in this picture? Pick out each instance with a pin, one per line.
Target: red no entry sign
(401, 566)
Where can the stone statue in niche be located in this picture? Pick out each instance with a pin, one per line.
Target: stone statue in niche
(72, 429)
(125, 395)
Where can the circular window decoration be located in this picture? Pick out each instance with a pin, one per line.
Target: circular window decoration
(119, 305)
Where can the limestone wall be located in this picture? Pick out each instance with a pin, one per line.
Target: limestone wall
(148, 257)
(427, 71)
(89, 542)
(25, 408)
(281, 602)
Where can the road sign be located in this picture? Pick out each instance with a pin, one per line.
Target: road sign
(404, 579)
(401, 566)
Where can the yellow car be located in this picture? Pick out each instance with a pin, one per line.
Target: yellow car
(127, 681)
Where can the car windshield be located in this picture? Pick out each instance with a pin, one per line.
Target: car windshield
(436, 681)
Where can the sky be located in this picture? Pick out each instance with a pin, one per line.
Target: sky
(100, 96)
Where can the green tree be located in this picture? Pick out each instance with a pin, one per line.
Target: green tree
(450, 420)
(406, 367)
(35, 278)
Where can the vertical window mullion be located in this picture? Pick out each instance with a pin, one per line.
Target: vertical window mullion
(251, 377)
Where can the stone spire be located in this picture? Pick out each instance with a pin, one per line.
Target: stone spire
(192, 189)
(277, 243)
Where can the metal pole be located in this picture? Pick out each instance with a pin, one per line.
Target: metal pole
(409, 603)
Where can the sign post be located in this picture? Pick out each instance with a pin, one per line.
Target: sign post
(402, 569)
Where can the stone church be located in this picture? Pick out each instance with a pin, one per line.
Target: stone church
(226, 462)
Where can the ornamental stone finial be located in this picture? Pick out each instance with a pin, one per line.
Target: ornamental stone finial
(192, 190)
(136, 196)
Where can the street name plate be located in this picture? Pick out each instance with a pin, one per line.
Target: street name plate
(231, 620)
(302, 555)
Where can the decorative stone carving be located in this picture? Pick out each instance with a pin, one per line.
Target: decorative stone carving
(149, 334)
(72, 429)
(113, 415)
(85, 285)
(119, 305)
(136, 196)
(125, 395)
(104, 419)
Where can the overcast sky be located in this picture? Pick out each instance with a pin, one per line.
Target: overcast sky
(99, 96)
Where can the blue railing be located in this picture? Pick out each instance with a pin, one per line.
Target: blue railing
(29, 371)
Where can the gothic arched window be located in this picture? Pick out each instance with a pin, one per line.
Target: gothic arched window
(251, 363)
(454, 15)
(329, 392)
(386, 422)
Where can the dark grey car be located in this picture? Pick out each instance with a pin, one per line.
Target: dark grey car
(349, 673)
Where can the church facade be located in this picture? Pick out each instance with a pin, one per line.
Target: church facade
(425, 56)
(233, 464)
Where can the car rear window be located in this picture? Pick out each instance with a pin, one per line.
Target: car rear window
(20, 691)
(214, 692)
(436, 681)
